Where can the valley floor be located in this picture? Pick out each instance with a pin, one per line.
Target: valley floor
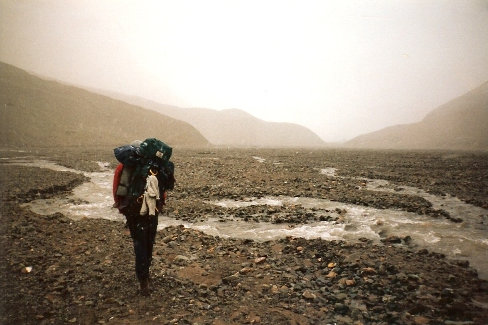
(57, 270)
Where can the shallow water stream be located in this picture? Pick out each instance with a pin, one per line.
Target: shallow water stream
(467, 240)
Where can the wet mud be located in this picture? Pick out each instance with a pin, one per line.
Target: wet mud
(58, 270)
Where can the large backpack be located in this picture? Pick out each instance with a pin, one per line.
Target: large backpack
(130, 175)
(128, 155)
(150, 147)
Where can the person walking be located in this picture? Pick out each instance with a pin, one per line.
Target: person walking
(150, 177)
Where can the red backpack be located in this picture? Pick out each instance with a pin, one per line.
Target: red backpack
(115, 186)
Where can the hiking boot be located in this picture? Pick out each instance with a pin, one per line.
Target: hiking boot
(145, 287)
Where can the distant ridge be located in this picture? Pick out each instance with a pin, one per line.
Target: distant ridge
(234, 127)
(460, 124)
(38, 112)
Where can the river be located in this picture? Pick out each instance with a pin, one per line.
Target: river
(467, 240)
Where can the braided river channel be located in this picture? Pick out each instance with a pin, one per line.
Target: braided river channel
(466, 240)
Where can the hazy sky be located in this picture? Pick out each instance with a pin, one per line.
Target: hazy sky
(341, 68)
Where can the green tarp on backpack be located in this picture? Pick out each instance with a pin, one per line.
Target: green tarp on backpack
(152, 147)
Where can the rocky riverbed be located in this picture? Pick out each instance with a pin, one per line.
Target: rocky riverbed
(58, 270)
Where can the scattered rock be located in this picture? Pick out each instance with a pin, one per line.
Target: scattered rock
(260, 260)
(421, 320)
(181, 260)
(392, 240)
(331, 274)
(307, 294)
(200, 279)
(27, 269)
(368, 270)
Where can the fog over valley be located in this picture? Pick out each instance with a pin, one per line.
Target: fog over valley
(330, 70)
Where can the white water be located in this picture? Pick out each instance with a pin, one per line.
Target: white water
(456, 240)
(91, 199)
(466, 240)
(471, 215)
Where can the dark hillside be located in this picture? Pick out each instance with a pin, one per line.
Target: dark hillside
(37, 112)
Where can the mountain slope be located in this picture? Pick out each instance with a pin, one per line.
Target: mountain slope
(234, 127)
(461, 124)
(37, 112)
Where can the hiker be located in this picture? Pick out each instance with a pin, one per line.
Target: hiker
(151, 174)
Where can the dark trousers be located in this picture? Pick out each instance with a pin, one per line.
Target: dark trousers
(143, 233)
